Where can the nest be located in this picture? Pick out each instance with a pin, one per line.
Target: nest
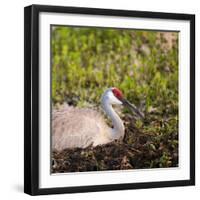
(136, 151)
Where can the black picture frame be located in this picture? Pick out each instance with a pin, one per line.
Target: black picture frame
(31, 98)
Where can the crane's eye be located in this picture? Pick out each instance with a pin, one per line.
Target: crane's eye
(117, 93)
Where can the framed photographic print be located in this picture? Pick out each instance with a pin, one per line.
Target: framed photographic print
(109, 99)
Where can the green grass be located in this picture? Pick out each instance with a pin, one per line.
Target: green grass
(143, 64)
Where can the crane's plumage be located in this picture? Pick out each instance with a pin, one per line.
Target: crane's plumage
(81, 127)
(77, 127)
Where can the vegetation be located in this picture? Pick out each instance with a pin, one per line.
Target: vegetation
(144, 65)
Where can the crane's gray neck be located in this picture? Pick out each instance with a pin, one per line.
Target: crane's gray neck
(118, 127)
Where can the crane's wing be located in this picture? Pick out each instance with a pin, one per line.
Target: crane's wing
(73, 127)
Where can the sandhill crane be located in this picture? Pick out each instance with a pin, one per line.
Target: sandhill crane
(81, 127)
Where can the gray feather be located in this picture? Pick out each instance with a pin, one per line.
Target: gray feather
(76, 127)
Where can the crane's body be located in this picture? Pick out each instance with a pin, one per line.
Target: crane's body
(82, 127)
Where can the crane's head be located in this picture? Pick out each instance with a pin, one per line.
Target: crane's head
(115, 96)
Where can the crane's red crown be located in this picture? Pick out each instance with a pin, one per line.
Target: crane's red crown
(117, 93)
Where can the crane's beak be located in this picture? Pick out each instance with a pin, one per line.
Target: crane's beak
(133, 108)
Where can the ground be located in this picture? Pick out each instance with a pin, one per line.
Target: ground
(138, 150)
